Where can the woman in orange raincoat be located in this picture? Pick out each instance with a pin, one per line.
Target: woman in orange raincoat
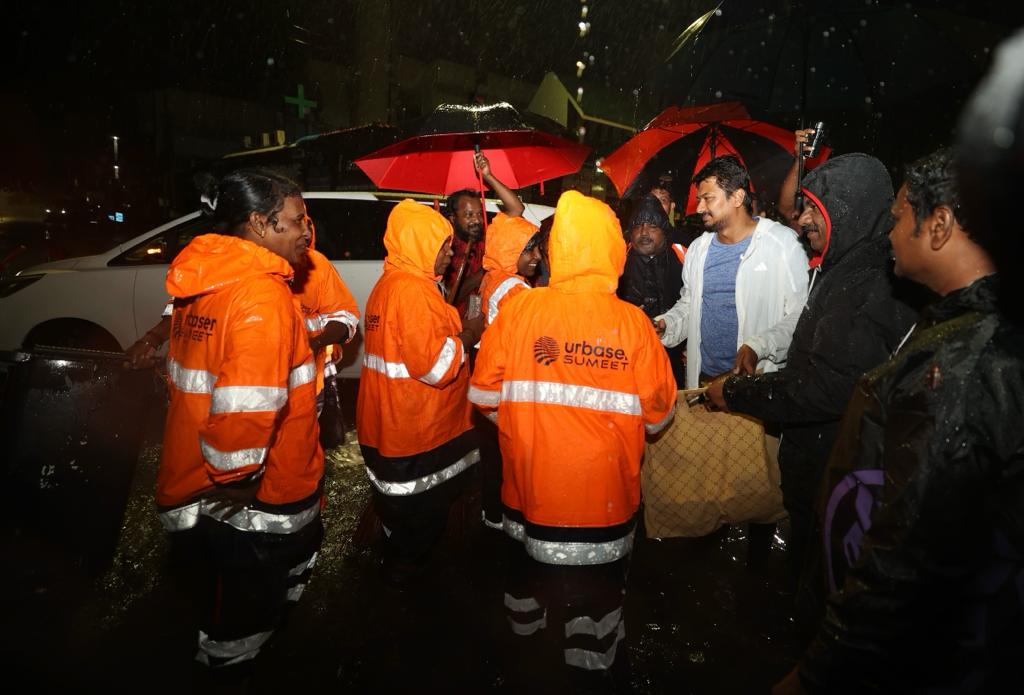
(510, 261)
(578, 377)
(412, 415)
(241, 464)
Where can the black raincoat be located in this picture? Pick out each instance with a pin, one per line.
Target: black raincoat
(653, 283)
(934, 443)
(851, 323)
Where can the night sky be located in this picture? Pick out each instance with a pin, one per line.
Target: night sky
(71, 67)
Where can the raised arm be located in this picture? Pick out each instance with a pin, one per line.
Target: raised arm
(509, 199)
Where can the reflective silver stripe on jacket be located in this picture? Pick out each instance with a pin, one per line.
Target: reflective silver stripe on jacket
(235, 651)
(392, 370)
(593, 660)
(415, 487)
(661, 424)
(443, 363)
(499, 292)
(231, 460)
(313, 324)
(303, 374)
(168, 308)
(555, 393)
(578, 553)
(247, 399)
(187, 516)
(190, 380)
(345, 317)
(484, 397)
(570, 553)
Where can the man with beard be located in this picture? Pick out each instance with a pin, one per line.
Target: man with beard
(851, 323)
(744, 283)
(653, 274)
(923, 492)
(465, 211)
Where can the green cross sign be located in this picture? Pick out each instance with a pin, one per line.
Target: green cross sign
(303, 104)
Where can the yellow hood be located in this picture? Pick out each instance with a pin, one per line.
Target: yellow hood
(413, 238)
(586, 249)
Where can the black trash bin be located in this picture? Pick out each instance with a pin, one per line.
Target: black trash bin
(71, 424)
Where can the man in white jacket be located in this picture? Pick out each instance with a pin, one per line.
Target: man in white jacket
(744, 283)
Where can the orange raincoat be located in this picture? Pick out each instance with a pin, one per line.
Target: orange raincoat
(506, 239)
(412, 389)
(323, 297)
(577, 376)
(242, 383)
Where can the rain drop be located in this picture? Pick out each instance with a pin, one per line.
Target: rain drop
(718, 94)
(718, 12)
(1002, 137)
(867, 100)
(270, 62)
(825, 33)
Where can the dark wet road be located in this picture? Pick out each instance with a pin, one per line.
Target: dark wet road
(697, 620)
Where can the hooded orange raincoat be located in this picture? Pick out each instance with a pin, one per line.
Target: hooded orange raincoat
(506, 239)
(323, 297)
(577, 376)
(242, 383)
(412, 389)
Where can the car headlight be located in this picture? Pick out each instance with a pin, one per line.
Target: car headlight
(18, 282)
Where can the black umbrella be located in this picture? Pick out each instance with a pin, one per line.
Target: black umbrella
(814, 57)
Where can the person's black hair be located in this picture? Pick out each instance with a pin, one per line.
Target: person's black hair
(229, 201)
(931, 182)
(452, 202)
(648, 210)
(730, 176)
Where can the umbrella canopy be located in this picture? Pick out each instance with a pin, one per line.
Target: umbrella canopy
(807, 57)
(440, 159)
(680, 141)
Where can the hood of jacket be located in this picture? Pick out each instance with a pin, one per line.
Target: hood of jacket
(213, 261)
(586, 249)
(506, 239)
(854, 193)
(413, 238)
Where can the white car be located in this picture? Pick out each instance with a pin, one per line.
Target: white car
(107, 301)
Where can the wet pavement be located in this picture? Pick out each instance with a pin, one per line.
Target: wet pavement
(698, 620)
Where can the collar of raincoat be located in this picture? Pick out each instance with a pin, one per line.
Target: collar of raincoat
(413, 238)
(213, 261)
(506, 239)
(586, 249)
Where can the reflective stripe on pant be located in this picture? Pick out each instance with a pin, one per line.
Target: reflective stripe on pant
(412, 495)
(256, 576)
(579, 607)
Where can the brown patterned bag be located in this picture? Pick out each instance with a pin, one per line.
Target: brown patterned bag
(707, 470)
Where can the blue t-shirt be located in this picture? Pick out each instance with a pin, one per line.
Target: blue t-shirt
(718, 322)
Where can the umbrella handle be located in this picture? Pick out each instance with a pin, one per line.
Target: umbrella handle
(480, 178)
(798, 197)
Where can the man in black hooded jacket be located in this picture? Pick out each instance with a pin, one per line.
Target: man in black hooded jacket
(653, 275)
(923, 543)
(851, 323)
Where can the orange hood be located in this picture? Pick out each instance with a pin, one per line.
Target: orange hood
(506, 239)
(586, 249)
(213, 261)
(414, 236)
